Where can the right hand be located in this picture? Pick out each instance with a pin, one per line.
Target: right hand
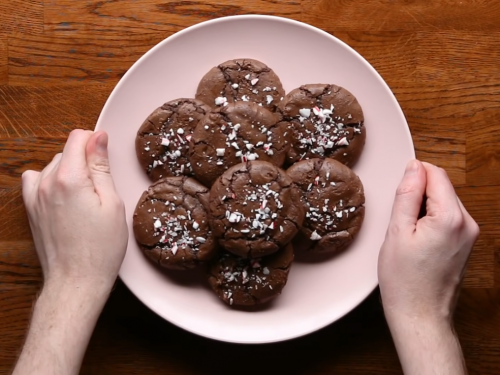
(422, 261)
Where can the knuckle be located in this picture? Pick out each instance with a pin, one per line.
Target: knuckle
(394, 229)
(65, 180)
(45, 189)
(454, 221)
(475, 229)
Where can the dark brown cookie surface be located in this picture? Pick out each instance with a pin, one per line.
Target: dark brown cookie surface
(255, 209)
(233, 134)
(241, 80)
(334, 198)
(248, 282)
(162, 141)
(325, 121)
(171, 223)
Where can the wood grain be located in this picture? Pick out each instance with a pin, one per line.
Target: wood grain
(4, 66)
(483, 140)
(24, 16)
(391, 53)
(477, 314)
(15, 225)
(152, 16)
(49, 111)
(458, 56)
(42, 59)
(21, 154)
(403, 15)
(16, 306)
(483, 203)
(435, 114)
(19, 264)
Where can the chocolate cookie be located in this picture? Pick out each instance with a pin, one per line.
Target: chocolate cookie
(255, 209)
(241, 80)
(233, 134)
(335, 200)
(162, 141)
(171, 224)
(325, 121)
(248, 282)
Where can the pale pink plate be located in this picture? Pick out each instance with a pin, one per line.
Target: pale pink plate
(318, 293)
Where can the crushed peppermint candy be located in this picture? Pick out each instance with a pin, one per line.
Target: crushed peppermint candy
(221, 100)
(305, 112)
(315, 236)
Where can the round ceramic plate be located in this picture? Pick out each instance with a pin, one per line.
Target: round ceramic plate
(317, 293)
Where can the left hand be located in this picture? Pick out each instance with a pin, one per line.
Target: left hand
(75, 214)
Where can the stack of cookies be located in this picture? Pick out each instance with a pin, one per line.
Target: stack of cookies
(221, 195)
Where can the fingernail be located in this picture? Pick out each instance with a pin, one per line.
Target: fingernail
(411, 167)
(102, 143)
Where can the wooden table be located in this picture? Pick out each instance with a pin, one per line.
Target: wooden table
(60, 59)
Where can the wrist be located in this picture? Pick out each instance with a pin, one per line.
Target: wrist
(78, 287)
(63, 321)
(427, 345)
(409, 326)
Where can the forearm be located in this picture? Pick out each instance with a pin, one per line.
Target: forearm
(427, 348)
(62, 324)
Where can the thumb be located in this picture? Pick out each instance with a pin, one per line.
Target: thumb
(409, 196)
(98, 164)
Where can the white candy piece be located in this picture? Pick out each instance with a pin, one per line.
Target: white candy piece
(269, 99)
(165, 142)
(235, 86)
(254, 81)
(343, 142)
(220, 100)
(305, 112)
(180, 131)
(157, 223)
(174, 249)
(220, 151)
(201, 239)
(315, 236)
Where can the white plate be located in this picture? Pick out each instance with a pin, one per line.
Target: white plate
(318, 293)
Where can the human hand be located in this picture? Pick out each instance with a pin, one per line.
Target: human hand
(422, 261)
(76, 216)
